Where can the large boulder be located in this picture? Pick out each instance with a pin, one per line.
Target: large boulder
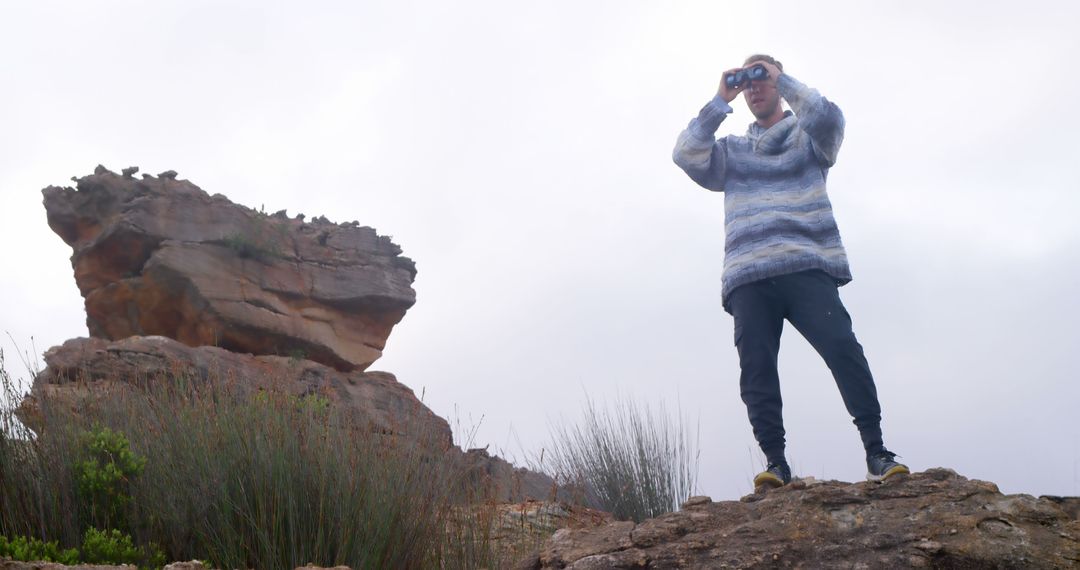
(159, 256)
(83, 368)
(934, 519)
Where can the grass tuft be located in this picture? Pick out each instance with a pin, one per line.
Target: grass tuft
(629, 460)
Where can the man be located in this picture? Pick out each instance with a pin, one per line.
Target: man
(783, 258)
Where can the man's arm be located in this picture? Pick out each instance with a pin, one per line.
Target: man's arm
(818, 117)
(698, 152)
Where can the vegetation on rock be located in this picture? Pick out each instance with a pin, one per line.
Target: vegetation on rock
(30, 549)
(271, 481)
(629, 460)
(115, 547)
(104, 473)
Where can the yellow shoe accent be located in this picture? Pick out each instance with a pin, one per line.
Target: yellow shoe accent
(897, 470)
(768, 479)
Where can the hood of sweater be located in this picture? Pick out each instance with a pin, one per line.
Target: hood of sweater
(776, 138)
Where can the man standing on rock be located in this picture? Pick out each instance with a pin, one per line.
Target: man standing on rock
(782, 254)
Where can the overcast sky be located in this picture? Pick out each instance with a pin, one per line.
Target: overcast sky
(521, 154)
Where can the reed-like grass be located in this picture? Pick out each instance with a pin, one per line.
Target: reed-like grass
(631, 460)
(266, 481)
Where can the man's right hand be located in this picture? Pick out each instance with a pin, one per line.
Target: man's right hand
(727, 93)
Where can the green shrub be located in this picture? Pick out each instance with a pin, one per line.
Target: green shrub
(247, 248)
(104, 475)
(631, 462)
(98, 547)
(32, 549)
(263, 238)
(114, 547)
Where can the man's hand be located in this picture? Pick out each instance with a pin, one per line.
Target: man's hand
(729, 93)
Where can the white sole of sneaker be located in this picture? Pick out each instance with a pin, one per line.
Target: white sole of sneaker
(898, 470)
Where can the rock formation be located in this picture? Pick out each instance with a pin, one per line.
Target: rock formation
(179, 282)
(84, 364)
(934, 519)
(159, 256)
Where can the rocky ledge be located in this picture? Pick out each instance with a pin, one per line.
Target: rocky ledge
(933, 519)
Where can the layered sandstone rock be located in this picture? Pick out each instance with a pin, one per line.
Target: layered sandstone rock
(159, 256)
(83, 367)
(935, 519)
(179, 283)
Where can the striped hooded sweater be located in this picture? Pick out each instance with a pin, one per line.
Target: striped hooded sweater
(777, 215)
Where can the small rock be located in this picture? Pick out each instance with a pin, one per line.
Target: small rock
(168, 175)
(697, 500)
(916, 561)
(530, 562)
(193, 565)
(929, 546)
(129, 171)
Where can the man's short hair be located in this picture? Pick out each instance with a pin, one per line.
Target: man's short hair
(763, 57)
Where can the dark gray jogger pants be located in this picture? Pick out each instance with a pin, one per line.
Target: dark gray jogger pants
(811, 302)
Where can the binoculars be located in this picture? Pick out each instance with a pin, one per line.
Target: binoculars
(756, 73)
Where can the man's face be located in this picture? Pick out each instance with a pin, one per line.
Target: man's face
(761, 96)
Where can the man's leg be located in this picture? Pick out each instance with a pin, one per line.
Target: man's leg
(819, 315)
(759, 321)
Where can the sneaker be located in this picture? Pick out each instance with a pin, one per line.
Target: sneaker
(774, 475)
(882, 465)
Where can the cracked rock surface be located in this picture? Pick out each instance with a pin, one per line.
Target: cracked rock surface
(159, 256)
(933, 519)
